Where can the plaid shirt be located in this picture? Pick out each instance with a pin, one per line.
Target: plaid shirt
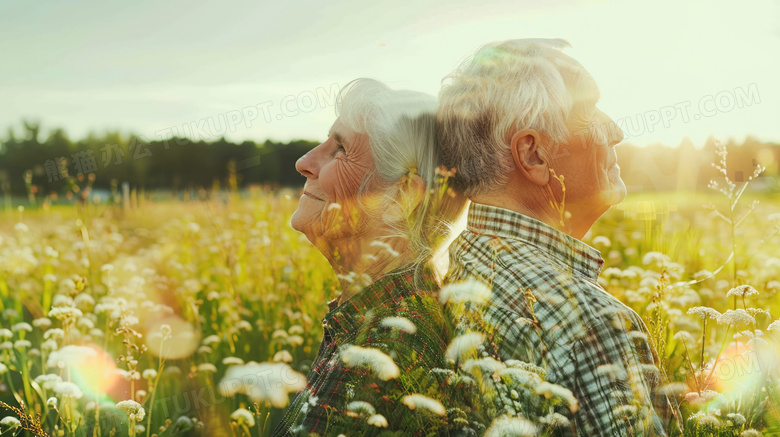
(320, 407)
(587, 340)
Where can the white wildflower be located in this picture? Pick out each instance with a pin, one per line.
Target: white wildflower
(42, 322)
(555, 420)
(737, 318)
(6, 333)
(211, 339)
(673, 389)
(704, 312)
(377, 420)
(549, 389)
(134, 410)
(283, 356)
(22, 344)
(84, 301)
(399, 323)
(470, 290)
(54, 334)
(656, 258)
(229, 361)
(625, 411)
(751, 433)
(465, 346)
(742, 291)
(295, 340)
(243, 416)
(279, 333)
(65, 314)
(67, 389)
(380, 363)
(243, 324)
(149, 374)
(128, 375)
(360, 407)
(10, 425)
(520, 376)
(487, 365)
(736, 418)
(612, 371)
(774, 326)
(702, 398)
(507, 426)
(21, 327)
(263, 382)
(419, 401)
(85, 323)
(708, 421)
(207, 367)
(3, 369)
(684, 336)
(70, 355)
(47, 381)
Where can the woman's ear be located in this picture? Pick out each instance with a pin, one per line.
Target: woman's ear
(412, 191)
(529, 157)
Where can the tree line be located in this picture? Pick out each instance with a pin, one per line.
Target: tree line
(36, 164)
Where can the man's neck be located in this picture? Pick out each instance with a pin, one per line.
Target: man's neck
(538, 208)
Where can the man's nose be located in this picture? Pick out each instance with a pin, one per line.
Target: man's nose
(613, 131)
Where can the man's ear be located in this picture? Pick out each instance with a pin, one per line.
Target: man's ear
(529, 157)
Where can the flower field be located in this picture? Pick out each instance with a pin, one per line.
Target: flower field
(202, 317)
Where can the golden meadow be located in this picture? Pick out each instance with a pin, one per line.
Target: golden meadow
(143, 320)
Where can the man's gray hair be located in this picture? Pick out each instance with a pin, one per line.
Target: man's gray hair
(401, 128)
(503, 88)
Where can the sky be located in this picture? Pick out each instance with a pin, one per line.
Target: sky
(261, 70)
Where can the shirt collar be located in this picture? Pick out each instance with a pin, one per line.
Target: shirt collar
(504, 223)
(388, 289)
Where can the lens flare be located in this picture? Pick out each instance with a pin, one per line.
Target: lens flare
(742, 367)
(91, 368)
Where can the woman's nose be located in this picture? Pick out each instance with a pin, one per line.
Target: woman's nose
(307, 165)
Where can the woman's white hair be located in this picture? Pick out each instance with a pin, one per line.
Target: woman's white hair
(503, 88)
(401, 128)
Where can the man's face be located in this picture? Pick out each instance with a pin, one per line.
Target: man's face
(334, 171)
(589, 162)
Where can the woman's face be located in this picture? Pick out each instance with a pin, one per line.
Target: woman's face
(334, 172)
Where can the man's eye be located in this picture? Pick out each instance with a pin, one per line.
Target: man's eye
(340, 148)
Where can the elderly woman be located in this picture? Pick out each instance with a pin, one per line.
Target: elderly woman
(376, 205)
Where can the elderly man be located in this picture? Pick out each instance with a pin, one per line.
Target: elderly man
(519, 123)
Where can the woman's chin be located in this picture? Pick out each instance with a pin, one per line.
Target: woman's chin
(298, 222)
